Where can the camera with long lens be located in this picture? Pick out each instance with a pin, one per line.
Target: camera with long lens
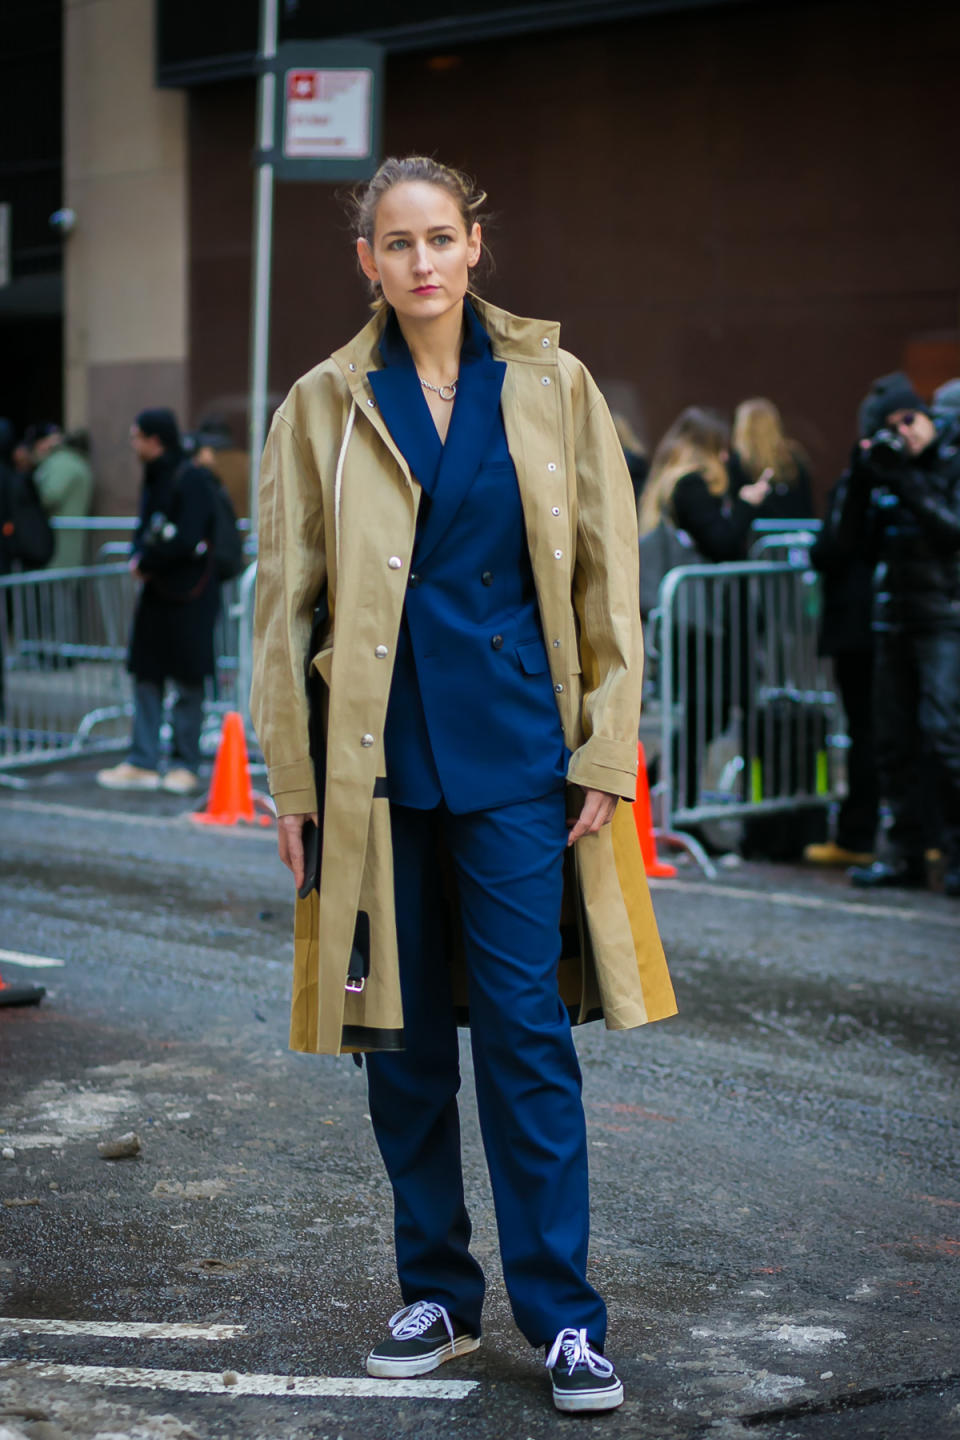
(887, 450)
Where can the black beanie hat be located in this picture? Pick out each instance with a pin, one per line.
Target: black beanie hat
(162, 424)
(886, 395)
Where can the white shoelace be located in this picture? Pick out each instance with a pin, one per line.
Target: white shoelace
(577, 1350)
(410, 1322)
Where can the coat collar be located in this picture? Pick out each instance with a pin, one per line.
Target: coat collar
(512, 338)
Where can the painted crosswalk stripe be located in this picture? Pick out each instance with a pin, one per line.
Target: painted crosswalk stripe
(121, 1329)
(211, 1382)
(33, 962)
(791, 898)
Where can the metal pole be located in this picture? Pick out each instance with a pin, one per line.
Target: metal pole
(262, 255)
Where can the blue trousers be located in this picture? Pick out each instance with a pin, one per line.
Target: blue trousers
(508, 864)
(148, 717)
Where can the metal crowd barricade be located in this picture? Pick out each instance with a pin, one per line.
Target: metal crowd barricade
(747, 710)
(64, 635)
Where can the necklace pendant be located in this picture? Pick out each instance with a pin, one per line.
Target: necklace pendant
(447, 392)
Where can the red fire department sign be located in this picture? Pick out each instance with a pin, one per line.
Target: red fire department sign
(328, 114)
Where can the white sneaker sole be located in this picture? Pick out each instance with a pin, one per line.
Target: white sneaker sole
(386, 1368)
(128, 784)
(571, 1401)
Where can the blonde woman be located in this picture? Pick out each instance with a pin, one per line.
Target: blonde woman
(448, 496)
(689, 488)
(763, 449)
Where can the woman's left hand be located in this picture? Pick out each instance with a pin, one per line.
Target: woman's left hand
(598, 808)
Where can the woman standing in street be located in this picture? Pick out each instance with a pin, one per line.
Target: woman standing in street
(445, 506)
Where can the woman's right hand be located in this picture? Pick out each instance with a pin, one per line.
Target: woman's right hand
(758, 490)
(290, 843)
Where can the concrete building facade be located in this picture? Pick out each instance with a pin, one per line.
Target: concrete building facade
(717, 200)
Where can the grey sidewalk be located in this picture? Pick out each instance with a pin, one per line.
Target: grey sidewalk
(776, 1199)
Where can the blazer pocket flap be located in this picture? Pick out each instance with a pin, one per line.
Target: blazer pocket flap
(532, 657)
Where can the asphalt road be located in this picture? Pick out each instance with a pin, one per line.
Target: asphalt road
(775, 1172)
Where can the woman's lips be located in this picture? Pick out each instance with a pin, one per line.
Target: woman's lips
(426, 289)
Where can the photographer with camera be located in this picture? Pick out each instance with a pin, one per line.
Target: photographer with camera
(900, 499)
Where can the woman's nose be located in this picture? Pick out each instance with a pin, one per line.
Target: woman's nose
(422, 261)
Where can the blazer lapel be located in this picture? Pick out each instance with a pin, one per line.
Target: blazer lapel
(398, 394)
(474, 412)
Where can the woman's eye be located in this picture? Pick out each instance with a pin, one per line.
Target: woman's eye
(442, 239)
(396, 244)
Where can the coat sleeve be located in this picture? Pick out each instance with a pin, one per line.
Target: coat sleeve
(606, 592)
(291, 572)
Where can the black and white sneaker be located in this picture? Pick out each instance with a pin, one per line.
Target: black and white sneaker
(582, 1378)
(422, 1336)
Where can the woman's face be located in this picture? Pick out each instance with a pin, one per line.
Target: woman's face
(421, 253)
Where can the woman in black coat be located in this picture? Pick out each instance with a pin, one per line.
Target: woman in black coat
(177, 610)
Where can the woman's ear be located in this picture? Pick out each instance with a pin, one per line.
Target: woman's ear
(367, 263)
(474, 245)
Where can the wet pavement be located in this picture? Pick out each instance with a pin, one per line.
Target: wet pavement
(775, 1172)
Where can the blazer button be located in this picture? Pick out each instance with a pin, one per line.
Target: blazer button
(366, 741)
(487, 577)
(414, 581)
(497, 642)
(381, 652)
(395, 562)
(559, 689)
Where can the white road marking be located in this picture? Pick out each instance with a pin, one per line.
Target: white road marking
(34, 962)
(124, 1329)
(807, 902)
(211, 1382)
(124, 817)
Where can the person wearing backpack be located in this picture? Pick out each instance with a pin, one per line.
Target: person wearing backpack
(174, 557)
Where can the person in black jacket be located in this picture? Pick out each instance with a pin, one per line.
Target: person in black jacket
(763, 449)
(846, 635)
(177, 610)
(902, 494)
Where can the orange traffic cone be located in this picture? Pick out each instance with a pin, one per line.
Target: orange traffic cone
(231, 796)
(643, 817)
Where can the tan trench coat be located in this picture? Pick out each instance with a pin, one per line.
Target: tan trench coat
(338, 507)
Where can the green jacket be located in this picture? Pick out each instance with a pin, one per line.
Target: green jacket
(64, 483)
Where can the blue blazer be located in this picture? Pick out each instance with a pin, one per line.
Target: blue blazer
(472, 719)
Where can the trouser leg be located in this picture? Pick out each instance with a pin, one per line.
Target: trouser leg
(413, 1092)
(509, 865)
(147, 715)
(938, 667)
(187, 724)
(857, 821)
(899, 744)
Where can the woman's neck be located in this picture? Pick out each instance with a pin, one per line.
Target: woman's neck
(435, 345)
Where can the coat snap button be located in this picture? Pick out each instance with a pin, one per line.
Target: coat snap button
(414, 581)
(556, 644)
(487, 577)
(558, 554)
(551, 467)
(544, 379)
(555, 510)
(371, 404)
(366, 741)
(497, 642)
(559, 689)
(352, 368)
(545, 343)
(395, 562)
(381, 652)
